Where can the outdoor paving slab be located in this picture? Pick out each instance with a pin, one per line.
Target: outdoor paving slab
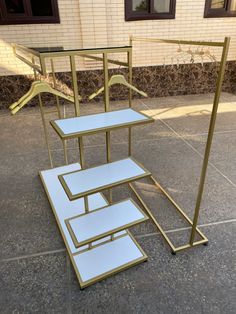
(34, 285)
(27, 223)
(200, 280)
(223, 151)
(191, 114)
(177, 167)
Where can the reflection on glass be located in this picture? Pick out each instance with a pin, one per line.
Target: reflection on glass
(162, 6)
(15, 6)
(139, 5)
(217, 4)
(233, 5)
(41, 8)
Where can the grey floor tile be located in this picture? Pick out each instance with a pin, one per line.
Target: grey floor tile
(200, 280)
(191, 114)
(223, 151)
(34, 285)
(27, 223)
(177, 167)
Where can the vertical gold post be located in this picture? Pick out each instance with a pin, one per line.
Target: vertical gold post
(45, 129)
(210, 136)
(129, 53)
(76, 97)
(64, 143)
(77, 112)
(44, 121)
(74, 84)
(107, 108)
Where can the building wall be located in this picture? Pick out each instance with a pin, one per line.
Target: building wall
(40, 35)
(94, 23)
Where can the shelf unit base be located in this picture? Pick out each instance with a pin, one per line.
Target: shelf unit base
(112, 253)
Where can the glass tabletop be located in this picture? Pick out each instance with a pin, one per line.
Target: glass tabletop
(67, 49)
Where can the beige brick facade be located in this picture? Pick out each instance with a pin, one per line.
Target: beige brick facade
(94, 23)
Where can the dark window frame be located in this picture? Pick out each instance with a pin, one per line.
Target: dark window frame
(225, 12)
(28, 17)
(131, 15)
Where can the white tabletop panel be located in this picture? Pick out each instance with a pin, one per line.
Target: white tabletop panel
(84, 182)
(107, 257)
(63, 207)
(96, 122)
(107, 220)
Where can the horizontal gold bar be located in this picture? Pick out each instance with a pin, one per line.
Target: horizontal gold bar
(33, 66)
(187, 246)
(101, 59)
(182, 42)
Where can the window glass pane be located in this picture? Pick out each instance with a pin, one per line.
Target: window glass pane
(162, 6)
(217, 4)
(233, 5)
(139, 5)
(41, 8)
(15, 6)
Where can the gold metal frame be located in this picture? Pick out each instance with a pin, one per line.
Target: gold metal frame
(28, 56)
(193, 224)
(105, 234)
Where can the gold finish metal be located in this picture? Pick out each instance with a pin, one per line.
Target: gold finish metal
(173, 41)
(107, 108)
(116, 62)
(75, 84)
(129, 56)
(43, 120)
(118, 79)
(194, 229)
(108, 233)
(45, 130)
(36, 88)
(64, 143)
(210, 135)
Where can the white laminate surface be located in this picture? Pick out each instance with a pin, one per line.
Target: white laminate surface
(63, 207)
(107, 257)
(77, 125)
(104, 220)
(81, 182)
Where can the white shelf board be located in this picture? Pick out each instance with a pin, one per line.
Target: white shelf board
(62, 207)
(85, 182)
(105, 221)
(107, 259)
(89, 124)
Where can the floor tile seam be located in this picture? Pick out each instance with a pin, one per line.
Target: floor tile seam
(33, 255)
(91, 146)
(195, 150)
(211, 224)
(215, 133)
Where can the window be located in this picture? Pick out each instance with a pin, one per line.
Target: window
(149, 9)
(220, 8)
(28, 11)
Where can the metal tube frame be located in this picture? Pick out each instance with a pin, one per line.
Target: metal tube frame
(193, 223)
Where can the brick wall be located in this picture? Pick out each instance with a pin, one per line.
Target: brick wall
(88, 23)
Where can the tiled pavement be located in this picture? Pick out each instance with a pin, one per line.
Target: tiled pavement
(35, 271)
